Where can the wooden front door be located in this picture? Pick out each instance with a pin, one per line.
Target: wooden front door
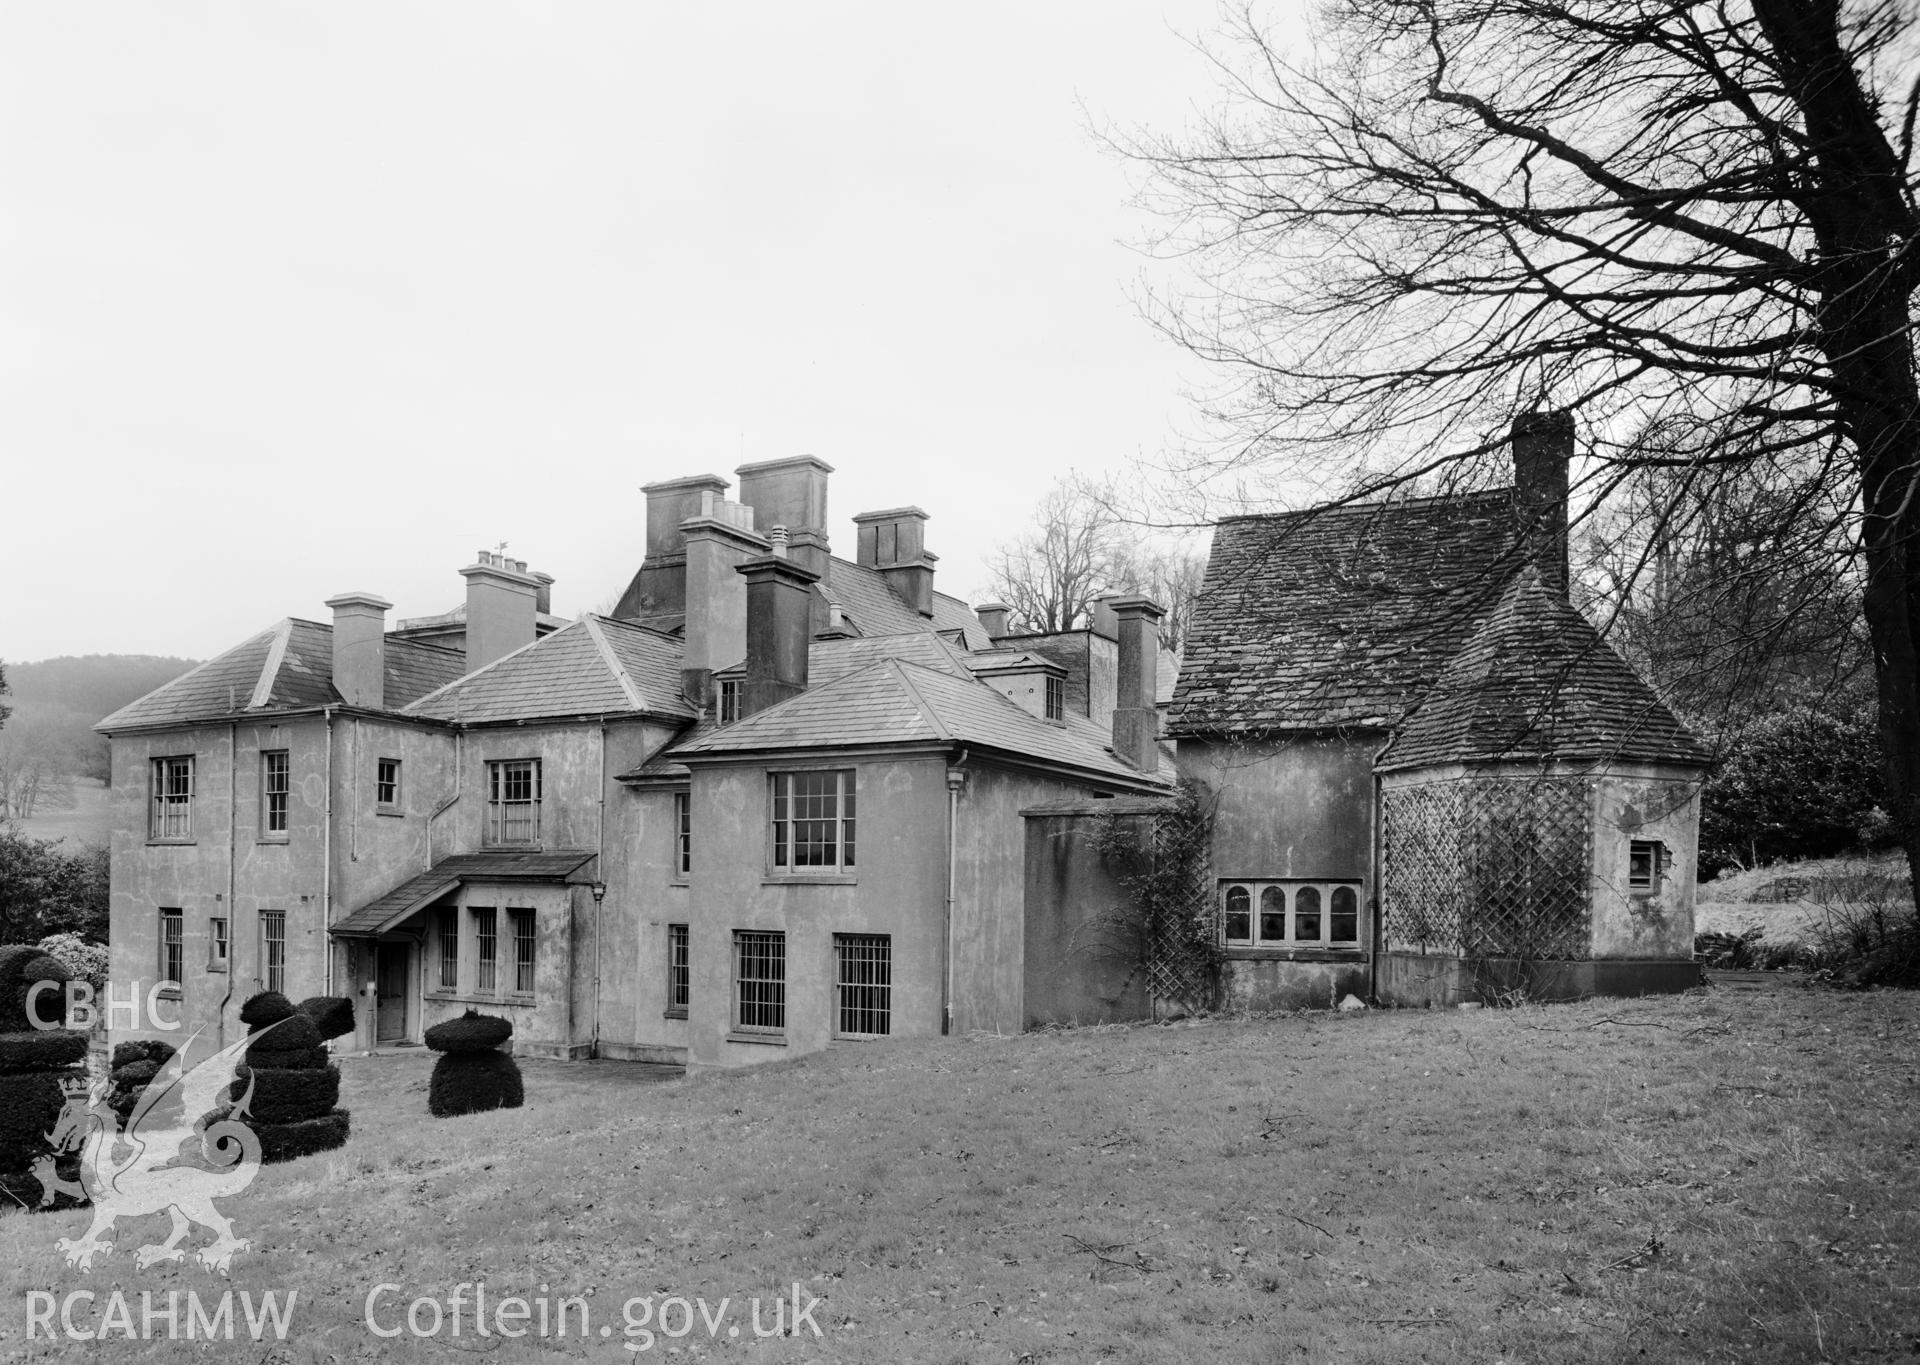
(390, 988)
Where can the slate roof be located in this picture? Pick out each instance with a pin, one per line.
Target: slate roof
(1338, 618)
(383, 912)
(1537, 683)
(874, 609)
(900, 702)
(594, 666)
(288, 666)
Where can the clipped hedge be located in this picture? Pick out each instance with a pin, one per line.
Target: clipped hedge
(473, 1082)
(295, 1033)
(32, 1104)
(136, 1073)
(25, 1188)
(286, 1141)
(305, 1059)
(141, 1050)
(267, 1007)
(471, 1032)
(38, 1050)
(287, 1096)
(22, 965)
(331, 1014)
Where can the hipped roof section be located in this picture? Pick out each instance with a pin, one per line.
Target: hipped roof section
(594, 666)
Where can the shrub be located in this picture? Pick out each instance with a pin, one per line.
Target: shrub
(141, 1050)
(33, 1103)
(136, 1073)
(1873, 941)
(471, 1032)
(472, 1082)
(22, 965)
(287, 1141)
(85, 961)
(1795, 784)
(284, 1096)
(37, 1050)
(331, 1014)
(268, 1007)
(300, 1059)
(295, 1033)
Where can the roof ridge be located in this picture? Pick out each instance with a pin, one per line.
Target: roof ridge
(612, 661)
(534, 643)
(1373, 505)
(932, 716)
(270, 667)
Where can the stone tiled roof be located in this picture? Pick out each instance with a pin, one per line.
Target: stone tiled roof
(1338, 618)
(897, 702)
(288, 666)
(383, 912)
(875, 610)
(1537, 683)
(595, 666)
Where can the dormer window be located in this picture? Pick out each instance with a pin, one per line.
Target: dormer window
(729, 700)
(1056, 698)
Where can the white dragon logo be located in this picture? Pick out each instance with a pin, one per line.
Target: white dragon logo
(156, 1171)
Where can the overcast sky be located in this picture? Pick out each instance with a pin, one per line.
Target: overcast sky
(301, 298)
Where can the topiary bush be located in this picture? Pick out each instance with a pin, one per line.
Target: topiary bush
(471, 1032)
(303, 1137)
(473, 1082)
(37, 1050)
(287, 1096)
(22, 966)
(36, 1070)
(141, 1050)
(294, 1033)
(331, 1014)
(268, 1007)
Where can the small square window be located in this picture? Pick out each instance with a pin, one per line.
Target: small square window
(217, 949)
(1646, 864)
(386, 783)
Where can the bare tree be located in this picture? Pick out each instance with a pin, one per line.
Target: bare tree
(1628, 208)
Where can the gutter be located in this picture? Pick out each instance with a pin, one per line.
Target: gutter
(326, 852)
(600, 877)
(1374, 938)
(233, 833)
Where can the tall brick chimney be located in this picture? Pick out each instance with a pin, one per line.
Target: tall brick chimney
(360, 648)
(780, 600)
(500, 605)
(894, 543)
(1542, 450)
(1136, 721)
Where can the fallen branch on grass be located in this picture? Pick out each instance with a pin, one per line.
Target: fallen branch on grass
(1407, 1322)
(1099, 1253)
(1306, 1224)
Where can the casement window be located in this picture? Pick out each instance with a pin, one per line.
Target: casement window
(862, 985)
(1646, 864)
(275, 774)
(217, 948)
(173, 948)
(447, 932)
(679, 982)
(513, 801)
(729, 700)
(682, 833)
(273, 950)
(522, 922)
(813, 821)
(1056, 698)
(1290, 914)
(171, 816)
(386, 783)
(486, 950)
(759, 981)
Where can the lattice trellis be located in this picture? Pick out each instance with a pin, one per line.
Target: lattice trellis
(1182, 951)
(1489, 867)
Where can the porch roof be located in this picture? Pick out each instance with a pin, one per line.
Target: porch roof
(382, 913)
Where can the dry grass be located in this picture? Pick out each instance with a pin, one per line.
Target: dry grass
(1709, 1177)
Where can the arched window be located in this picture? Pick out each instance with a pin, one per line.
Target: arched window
(1343, 922)
(1273, 915)
(1239, 915)
(1306, 915)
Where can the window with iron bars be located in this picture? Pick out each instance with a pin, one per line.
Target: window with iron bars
(486, 950)
(447, 931)
(522, 921)
(863, 985)
(273, 950)
(813, 821)
(513, 801)
(679, 981)
(1646, 864)
(173, 948)
(172, 812)
(1290, 914)
(275, 771)
(759, 981)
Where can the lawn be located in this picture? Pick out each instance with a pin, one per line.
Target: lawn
(1721, 1176)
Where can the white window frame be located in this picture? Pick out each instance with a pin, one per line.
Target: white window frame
(386, 791)
(841, 840)
(682, 835)
(1056, 698)
(760, 1002)
(679, 973)
(862, 985)
(1655, 852)
(276, 794)
(170, 817)
(1259, 908)
(505, 830)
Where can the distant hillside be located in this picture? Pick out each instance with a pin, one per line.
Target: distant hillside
(48, 742)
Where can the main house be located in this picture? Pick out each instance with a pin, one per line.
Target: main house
(779, 797)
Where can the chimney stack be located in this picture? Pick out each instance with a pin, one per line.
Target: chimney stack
(1542, 450)
(543, 596)
(993, 618)
(659, 588)
(791, 493)
(717, 539)
(1136, 720)
(1101, 619)
(894, 544)
(360, 648)
(779, 628)
(500, 607)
